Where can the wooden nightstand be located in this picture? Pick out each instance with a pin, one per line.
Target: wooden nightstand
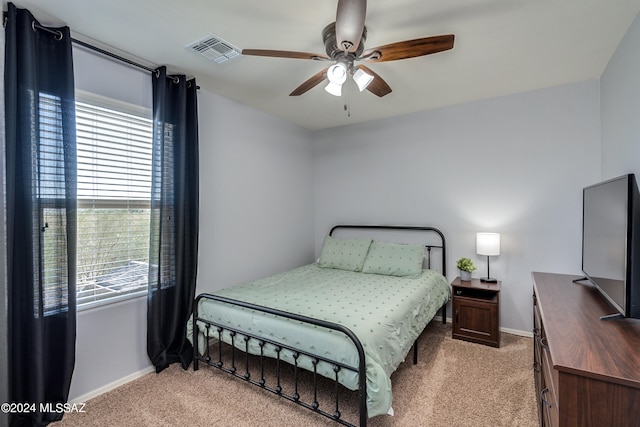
(476, 311)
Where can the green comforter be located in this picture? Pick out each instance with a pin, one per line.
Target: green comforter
(386, 313)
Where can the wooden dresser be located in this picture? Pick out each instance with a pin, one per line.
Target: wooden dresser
(587, 370)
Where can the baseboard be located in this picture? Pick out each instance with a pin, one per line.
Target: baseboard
(518, 332)
(527, 334)
(111, 386)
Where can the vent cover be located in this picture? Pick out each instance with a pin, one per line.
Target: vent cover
(214, 48)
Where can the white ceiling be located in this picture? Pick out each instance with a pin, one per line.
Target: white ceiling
(501, 47)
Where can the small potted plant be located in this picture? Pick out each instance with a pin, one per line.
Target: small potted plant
(465, 265)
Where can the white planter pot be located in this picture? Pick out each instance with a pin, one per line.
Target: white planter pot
(465, 275)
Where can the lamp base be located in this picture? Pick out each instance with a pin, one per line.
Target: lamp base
(489, 279)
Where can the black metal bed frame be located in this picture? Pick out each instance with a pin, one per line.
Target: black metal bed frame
(245, 338)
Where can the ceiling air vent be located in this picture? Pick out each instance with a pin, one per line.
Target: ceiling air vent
(214, 48)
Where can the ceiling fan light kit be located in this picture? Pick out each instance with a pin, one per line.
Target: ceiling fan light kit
(344, 43)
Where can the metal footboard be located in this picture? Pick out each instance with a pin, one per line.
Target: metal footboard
(214, 331)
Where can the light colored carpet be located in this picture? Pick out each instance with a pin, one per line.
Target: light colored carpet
(455, 383)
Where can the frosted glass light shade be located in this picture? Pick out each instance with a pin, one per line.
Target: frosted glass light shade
(488, 244)
(362, 79)
(337, 73)
(334, 89)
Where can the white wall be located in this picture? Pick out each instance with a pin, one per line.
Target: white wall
(620, 92)
(256, 207)
(111, 345)
(515, 165)
(255, 215)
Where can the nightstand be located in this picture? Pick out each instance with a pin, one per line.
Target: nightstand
(476, 311)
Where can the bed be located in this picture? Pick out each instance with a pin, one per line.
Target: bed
(352, 316)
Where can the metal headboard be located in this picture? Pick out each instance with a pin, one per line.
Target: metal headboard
(429, 247)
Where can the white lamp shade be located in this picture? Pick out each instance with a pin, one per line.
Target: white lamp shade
(488, 244)
(337, 73)
(334, 89)
(362, 79)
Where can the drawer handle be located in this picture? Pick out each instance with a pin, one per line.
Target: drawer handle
(543, 343)
(536, 332)
(543, 400)
(536, 367)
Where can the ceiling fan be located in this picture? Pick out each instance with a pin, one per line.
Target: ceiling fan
(344, 43)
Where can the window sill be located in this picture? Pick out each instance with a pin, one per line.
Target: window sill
(110, 301)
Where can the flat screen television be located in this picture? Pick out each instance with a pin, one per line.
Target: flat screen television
(610, 242)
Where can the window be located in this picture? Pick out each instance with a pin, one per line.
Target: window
(114, 190)
(50, 213)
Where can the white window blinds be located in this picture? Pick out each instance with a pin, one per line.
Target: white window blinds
(50, 221)
(114, 187)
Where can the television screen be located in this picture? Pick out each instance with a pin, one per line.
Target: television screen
(608, 253)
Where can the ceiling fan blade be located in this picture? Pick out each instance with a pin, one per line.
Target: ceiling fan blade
(377, 86)
(410, 48)
(350, 23)
(283, 54)
(312, 82)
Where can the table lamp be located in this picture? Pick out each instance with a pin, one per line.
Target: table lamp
(488, 244)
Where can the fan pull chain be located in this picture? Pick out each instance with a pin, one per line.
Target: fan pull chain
(347, 104)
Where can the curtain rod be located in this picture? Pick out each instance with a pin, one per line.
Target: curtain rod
(112, 55)
(58, 35)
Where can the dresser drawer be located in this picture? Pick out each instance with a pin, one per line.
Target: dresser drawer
(537, 360)
(549, 412)
(549, 399)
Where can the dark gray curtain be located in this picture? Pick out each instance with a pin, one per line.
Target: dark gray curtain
(41, 215)
(174, 219)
